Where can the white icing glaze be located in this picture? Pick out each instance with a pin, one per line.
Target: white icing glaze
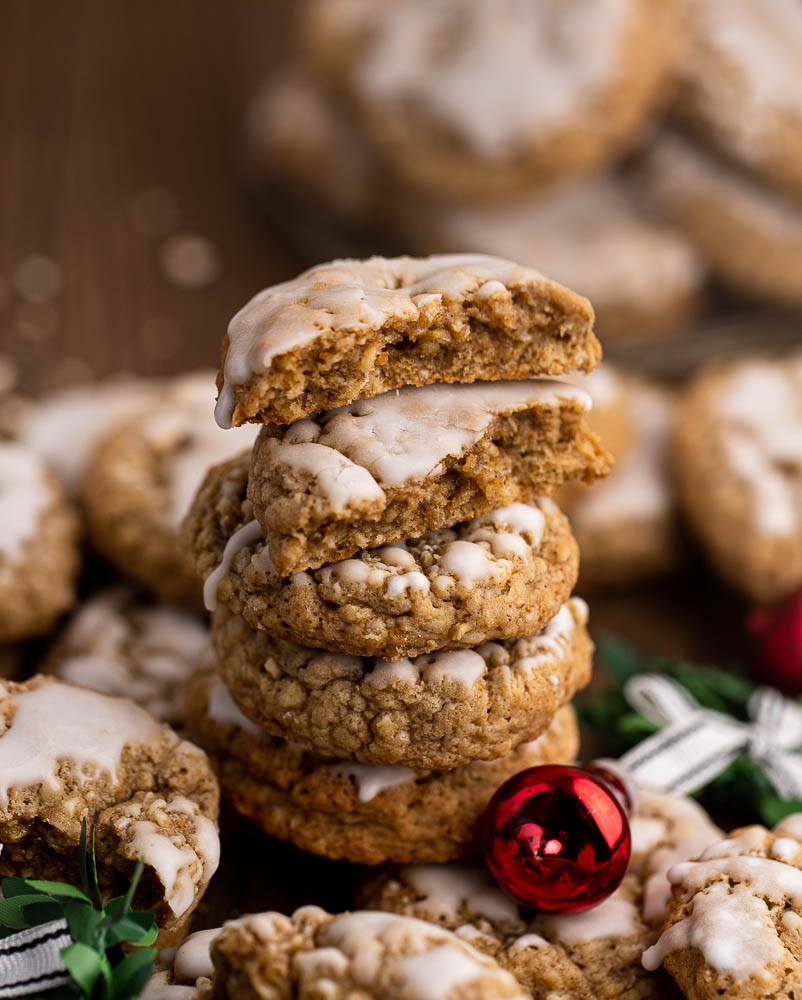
(373, 779)
(159, 987)
(511, 71)
(773, 880)
(246, 535)
(353, 295)
(790, 826)
(406, 435)
(65, 427)
(732, 928)
(224, 711)
(446, 889)
(554, 640)
(785, 849)
(54, 723)
(529, 941)
(193, 958)
(639, 485)
(763, 438)
(180, 867)
(24, 496)
(616, 917)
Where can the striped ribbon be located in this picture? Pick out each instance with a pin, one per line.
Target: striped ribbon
(30, 961)
(696, 744)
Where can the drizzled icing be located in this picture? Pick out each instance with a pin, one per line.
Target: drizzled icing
(180, 865)
(24, 495)
(373, 779)
(193, 959)
(616, 917)
(449, 890)
(405, 435)
(639, 485)
(224, 711)
(246, 535)
(423, 961)
(53, 723)
(763, 439)
(493, 73)
(354, 295)
(485, 549)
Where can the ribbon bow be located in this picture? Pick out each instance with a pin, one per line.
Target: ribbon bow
(696, 744)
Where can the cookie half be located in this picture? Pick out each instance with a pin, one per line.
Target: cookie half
(501, 576)
(142, 479)
(750, 235)
(121, 644)
(437, 711)
(39, 556)
(412, 461)
(365, 813)
(738, 467)
(69, 754)
(352, 329)
(734, 920)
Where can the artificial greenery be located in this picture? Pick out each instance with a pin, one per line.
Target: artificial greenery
(742, 791)
(99, 966)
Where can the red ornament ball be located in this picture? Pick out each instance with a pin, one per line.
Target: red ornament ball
(777, 635)
(556, 838)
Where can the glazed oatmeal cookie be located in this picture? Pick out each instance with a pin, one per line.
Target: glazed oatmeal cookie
(412, 461)
(69, 754)
(122, 644)
(39, 556)
(361, 954)
(365, 813)
(501, 576)
(741, 84)
(734, 923)
(750, 235)
(738, 467)
(484, 98)
(142, 478)
(439, 710)
(356, 328)
(585, 955)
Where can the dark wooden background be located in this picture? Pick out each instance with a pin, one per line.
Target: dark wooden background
(99, 102)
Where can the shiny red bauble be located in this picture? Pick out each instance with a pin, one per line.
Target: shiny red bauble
(777, 635)
(556, 838)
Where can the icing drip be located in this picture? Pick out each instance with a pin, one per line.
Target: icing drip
(616, 917)
(449, 889)
(24, 496)
(246, 535)
(373, 779)
(224, 711)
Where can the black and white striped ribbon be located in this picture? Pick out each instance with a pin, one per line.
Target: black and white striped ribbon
(30, 961)
(696, 744)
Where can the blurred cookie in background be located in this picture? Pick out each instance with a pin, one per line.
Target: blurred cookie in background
(142, 478)
(39, 555)
(299, 137)
(477, 98)
(643, 278)
(122, 644)
(627, 527)
(750, 235)
(738, 466)
(741, 84)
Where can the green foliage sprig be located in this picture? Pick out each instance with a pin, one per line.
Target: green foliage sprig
(101, 969)
(742, 792)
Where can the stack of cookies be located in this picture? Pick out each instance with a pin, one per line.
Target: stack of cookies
(393, 628)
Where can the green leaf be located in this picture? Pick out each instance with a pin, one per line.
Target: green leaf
(86, 966)
(43, 911)
(131, 975)
(12, 911)
(15, 887)
(82, 920)
(138, 929)
(88, 868)
(57, 889)
(135, 878)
